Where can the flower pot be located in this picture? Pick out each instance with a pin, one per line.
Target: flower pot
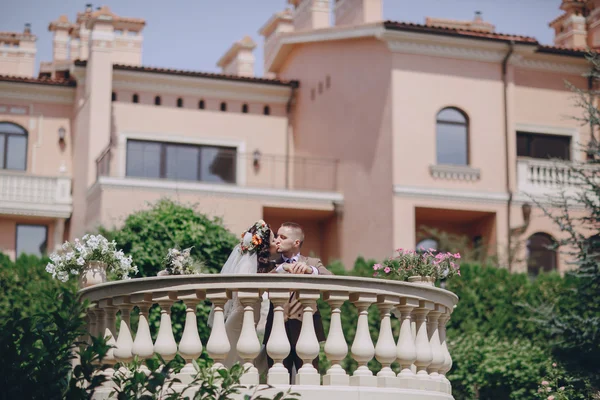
(422, 280)
(93, 274)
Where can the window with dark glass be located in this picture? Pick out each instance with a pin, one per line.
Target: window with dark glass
(157, 101)
(135, 98)
(245, 108)
(201, 104)
(452, 137)
(223, 106)
(541, 253)
(31, 239)
(13, 146)
(536, 145)
(176, 161)
(267, 110)
(180, 102)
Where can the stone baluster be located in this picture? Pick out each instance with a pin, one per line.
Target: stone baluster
(190, 346)
(92, 323)
(447, 365)
(165, 344)
(307, 346)
(406, 350)
(436, 347)
(362, 348)
(143, 347)
(336, 347)
(278, 345)
(248, 345)
(218, 346)
(124, 345)
(424, 355)
(110, 333)
(385, 349)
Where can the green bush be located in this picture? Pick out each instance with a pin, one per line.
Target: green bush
(147, 236)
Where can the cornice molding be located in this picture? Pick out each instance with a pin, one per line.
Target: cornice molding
(36, 210)
(445, 50)
(455, 172)
(451, 194)
(521, 61)
(37, 93)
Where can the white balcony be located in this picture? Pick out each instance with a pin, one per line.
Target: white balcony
(33, 195)
(420, 349)
(538, 178)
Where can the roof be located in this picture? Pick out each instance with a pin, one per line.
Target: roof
(39, 81)
(246, 43)
(409, 26)
(565, 51)
(199, 74)
(17, 36)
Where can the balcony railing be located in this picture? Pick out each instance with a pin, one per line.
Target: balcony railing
(259, 171)
(542, 177)
(21, 193)
(420, 350)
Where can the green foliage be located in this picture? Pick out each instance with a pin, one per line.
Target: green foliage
(487, 367)
(147, 236)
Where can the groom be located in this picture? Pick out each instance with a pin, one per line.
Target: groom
(290, 238)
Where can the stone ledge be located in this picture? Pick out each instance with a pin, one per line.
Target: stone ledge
(455, 172)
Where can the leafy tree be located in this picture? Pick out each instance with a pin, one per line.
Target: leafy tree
(147, 235)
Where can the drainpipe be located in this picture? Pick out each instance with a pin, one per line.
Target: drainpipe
(506, 156)
(288, 111)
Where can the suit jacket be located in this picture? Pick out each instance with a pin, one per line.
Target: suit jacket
(293, 309)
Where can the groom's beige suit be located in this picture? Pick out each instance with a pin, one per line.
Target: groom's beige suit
(293, 316)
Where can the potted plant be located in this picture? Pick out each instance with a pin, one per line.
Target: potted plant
(419, 267)
(90, 259)
(180, 262)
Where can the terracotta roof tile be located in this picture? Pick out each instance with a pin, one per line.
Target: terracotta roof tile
(568, 51)
(409, 26)
(198, 74)
(39, 81)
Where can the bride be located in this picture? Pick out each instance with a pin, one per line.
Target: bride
(252, 255)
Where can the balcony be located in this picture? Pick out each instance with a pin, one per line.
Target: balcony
(32, 195)
(420, 350)
(536, 177)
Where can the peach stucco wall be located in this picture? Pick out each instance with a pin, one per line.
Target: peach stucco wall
(351, 121)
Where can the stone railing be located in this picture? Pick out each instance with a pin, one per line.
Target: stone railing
(420, 350)
(25, 194)
(543, 177)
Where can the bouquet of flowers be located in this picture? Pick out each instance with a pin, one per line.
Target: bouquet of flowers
(412, 263)
(74, 258)
(253, 237)
(180, 262)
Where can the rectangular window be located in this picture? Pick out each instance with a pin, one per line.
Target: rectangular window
(176, 161)
(536, 145)
(31, 239)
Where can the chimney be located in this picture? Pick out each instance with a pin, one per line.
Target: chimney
(570, 29)
(310, 14)
(60, 38)
(357, 12)
(239, 60)
(19, 50)
(88, 8)
(281, 22)
(476, 25)
(27, 29)
(593, 23)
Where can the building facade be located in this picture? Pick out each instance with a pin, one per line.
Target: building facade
(396, 134)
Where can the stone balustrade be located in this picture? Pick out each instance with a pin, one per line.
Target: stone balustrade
(420, 349)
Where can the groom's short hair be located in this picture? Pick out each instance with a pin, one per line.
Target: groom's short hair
(297, 229)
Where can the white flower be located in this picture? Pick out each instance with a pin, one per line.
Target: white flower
(69, 256)
(80, 261)
(74, 272)
(63, 276)
(50, 268)
(65, 246)
(55, 258)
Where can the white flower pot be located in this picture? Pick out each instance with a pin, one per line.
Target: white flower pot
(421, 280)
(93, 274)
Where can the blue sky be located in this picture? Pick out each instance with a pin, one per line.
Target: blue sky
(193, 34)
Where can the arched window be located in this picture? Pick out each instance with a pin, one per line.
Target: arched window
(180, 102)
(541, 253)
(427, 244)
(201, 104)
(157, 101)
(245, 108)
(135, 98)
(13, 146)
(267, 110)
(452, 137)
(223, 106)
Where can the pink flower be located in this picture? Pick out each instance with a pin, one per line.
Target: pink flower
(562, 388)
(545, 383)
(550, 397)
(377, 267)
(554, 365)
(387, 270)
(374, 273)
(457, 256)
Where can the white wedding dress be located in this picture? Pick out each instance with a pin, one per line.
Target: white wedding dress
(239, 263)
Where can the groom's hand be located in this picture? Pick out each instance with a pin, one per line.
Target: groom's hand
(301, 268)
